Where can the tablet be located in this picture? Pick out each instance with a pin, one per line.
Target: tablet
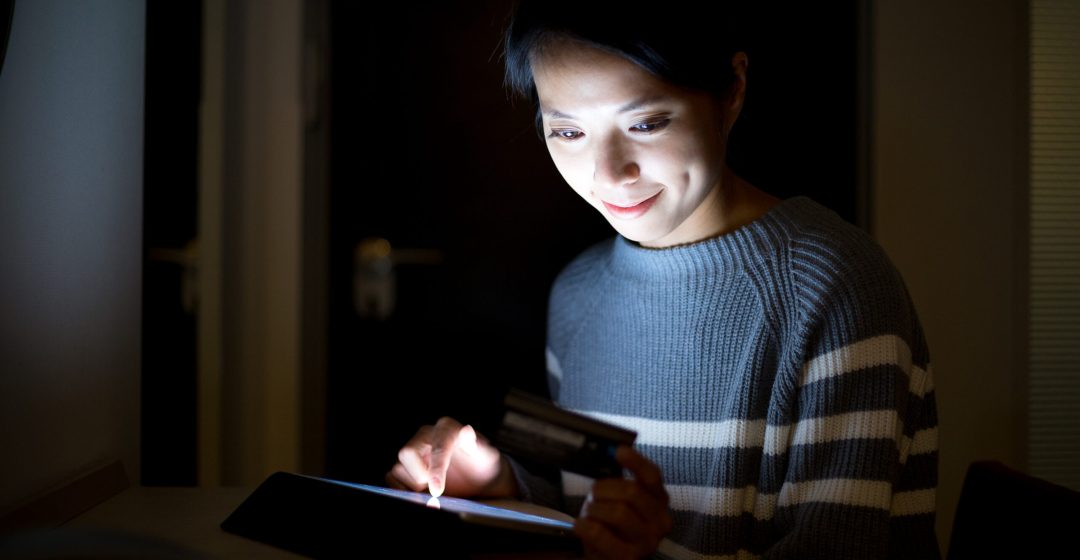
(327, 518)
(471, 511)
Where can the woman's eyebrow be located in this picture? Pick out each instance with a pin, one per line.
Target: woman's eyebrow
(636, 104)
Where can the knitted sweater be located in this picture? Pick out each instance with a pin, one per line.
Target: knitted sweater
(777, 374)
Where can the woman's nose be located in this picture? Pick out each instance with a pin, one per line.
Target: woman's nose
(615, 164)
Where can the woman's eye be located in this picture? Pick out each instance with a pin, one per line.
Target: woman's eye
(562, 134)
(569, 135)
(651, 126)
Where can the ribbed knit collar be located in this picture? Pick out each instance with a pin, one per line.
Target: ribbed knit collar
(717, 254)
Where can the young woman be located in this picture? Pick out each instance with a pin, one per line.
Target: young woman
(766, 351)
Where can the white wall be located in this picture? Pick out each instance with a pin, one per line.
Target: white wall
(950, 187)
(71, 133)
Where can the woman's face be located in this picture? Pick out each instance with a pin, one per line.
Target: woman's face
(649, 156)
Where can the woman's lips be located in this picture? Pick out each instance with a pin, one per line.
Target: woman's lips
(631, 212)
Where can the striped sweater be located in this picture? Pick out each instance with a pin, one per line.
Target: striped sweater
(778, 376)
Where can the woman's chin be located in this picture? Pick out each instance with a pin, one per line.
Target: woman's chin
(640, 238)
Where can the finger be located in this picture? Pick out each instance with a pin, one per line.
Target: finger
(393, 482)
(415, 462)
(399, 478)
(644, 470)
(629, 522)
(600, 542)
(467, 440)
(621, 519)
(443, 441)
(413, 456)
(630, 492)
(476, 446)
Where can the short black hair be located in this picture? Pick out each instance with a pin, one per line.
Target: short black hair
(687, 43)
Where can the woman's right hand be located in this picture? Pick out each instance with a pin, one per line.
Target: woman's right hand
(453, 459)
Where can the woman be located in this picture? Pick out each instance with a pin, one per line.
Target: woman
(766, 351)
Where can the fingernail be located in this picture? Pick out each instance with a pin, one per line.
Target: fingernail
(435, 486)
(467, 440)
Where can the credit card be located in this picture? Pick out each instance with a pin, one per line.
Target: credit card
(537, 429)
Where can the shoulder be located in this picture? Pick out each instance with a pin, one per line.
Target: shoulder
(831, 257)
(572, 289)
(586, 265)
(845, 283)
(824, 246)
(572, 295)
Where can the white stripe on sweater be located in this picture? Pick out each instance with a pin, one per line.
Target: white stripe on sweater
(553, 366)
(928, 385)
(878, 350)
(672, 549)
(728, 502)
(734, 502)
(875, 351)
(843, 491)
(921, 443)
(774, 439)
(913, 502)
(725, 433)
(777, 439)
(924, 441)
(697, 499)
(871, 424)
(867, 424)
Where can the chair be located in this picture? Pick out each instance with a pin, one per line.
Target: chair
(1005, 513)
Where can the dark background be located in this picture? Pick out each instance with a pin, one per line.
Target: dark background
(170, 209)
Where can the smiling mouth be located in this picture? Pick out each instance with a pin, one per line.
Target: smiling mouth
(632, 211)
(627, 205)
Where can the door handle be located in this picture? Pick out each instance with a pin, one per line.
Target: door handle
(187, 258)
(375, 263)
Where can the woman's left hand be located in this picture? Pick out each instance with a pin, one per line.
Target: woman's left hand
(624, 518)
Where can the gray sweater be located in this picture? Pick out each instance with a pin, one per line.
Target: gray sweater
(778, 375)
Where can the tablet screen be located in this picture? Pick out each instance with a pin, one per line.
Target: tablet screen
(456, 505)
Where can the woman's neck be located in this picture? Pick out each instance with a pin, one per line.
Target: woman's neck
(731, 204)
(743, 203)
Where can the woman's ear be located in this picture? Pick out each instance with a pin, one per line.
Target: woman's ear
(732, 106)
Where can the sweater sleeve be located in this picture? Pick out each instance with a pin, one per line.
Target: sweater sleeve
(565, 306)
(537, 489)
(542, 488)
(861, 469)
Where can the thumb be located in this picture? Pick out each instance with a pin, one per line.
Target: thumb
(467, 440)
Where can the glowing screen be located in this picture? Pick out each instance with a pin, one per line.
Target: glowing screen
(457, 505)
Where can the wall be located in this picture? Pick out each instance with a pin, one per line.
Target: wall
(71, 104)
(950, 187)
(250, 228)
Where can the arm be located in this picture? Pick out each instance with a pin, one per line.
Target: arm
(861, 470)
(535, 488)
(540, 487)
(861, 483)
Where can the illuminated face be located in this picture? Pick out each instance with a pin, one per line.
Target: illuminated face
(648, 155)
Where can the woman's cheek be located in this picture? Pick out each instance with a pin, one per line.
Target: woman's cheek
(578, 178)
(570, 172)
(587, 194)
